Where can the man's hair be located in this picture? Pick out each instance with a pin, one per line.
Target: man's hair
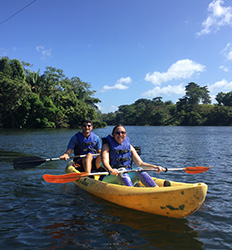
(86, 121)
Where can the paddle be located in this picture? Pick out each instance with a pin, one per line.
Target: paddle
(65, 178)
(34, 161)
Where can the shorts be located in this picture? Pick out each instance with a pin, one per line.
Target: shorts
(80, 166)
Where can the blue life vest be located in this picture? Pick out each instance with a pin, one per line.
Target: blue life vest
(120, 154)
(85, 145)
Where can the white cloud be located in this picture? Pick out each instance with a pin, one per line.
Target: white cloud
(182, 69)
(229, 55)
(218, 16)
(224, 68)
(213, 100)
(120, 84)
(228, 46)
(112, 108)
(220, 86)
(169, 90)
(227, 51)
(43, 51)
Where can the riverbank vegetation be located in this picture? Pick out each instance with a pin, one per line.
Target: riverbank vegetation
(29, 99)
(194, 109)
(50, 100)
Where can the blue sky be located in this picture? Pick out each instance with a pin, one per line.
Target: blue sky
(126, 49)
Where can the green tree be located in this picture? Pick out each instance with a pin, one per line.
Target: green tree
(224, 98)
(109, 118)
(13, 91)
(29, 99)
(5, 67)
(195, 94)
(220, 116)
(192, 119)
(219, 98)
(157, 101)
(17, 70)
(124, 115)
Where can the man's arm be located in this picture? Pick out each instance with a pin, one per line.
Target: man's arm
(66, 155)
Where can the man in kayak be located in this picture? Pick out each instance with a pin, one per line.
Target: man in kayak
(117, 153)
(84, 143)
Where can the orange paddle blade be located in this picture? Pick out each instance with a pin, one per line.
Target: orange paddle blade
(196, 170)
(65, 178)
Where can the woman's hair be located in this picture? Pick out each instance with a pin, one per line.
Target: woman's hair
(118, 125)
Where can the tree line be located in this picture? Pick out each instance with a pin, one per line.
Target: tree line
(194, 109)
(29, 99)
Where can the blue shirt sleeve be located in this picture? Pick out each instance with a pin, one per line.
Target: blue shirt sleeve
(98, 142)
(73, 142)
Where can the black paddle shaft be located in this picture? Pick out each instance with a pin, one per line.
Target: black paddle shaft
(34, 161)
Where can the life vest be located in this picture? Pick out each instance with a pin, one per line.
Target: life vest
(85, 145)
(120, 154)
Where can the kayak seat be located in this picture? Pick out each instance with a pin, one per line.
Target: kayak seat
(167, 183)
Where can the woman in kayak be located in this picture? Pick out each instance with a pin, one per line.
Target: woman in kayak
(118, 153)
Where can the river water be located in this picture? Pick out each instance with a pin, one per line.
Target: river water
(39, 215)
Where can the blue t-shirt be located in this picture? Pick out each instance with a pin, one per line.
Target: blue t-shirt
(74, 141)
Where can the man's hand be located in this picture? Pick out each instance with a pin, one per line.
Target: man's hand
(64, 157)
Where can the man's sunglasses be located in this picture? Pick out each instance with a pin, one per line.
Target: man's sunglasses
(120, 132)
(86, 126)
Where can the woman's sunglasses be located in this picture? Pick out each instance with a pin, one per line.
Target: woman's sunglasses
(120, 132)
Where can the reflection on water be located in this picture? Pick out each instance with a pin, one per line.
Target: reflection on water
(158, 231)
(64, 232)
(120, 228)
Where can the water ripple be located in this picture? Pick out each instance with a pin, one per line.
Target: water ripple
(38, 215)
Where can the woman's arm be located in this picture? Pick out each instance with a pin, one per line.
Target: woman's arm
(105, 156)
(140, 163)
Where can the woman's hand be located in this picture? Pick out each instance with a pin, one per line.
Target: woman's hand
(159, 169)
(114, 171)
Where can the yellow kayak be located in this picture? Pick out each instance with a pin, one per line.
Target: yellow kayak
(178, 200)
